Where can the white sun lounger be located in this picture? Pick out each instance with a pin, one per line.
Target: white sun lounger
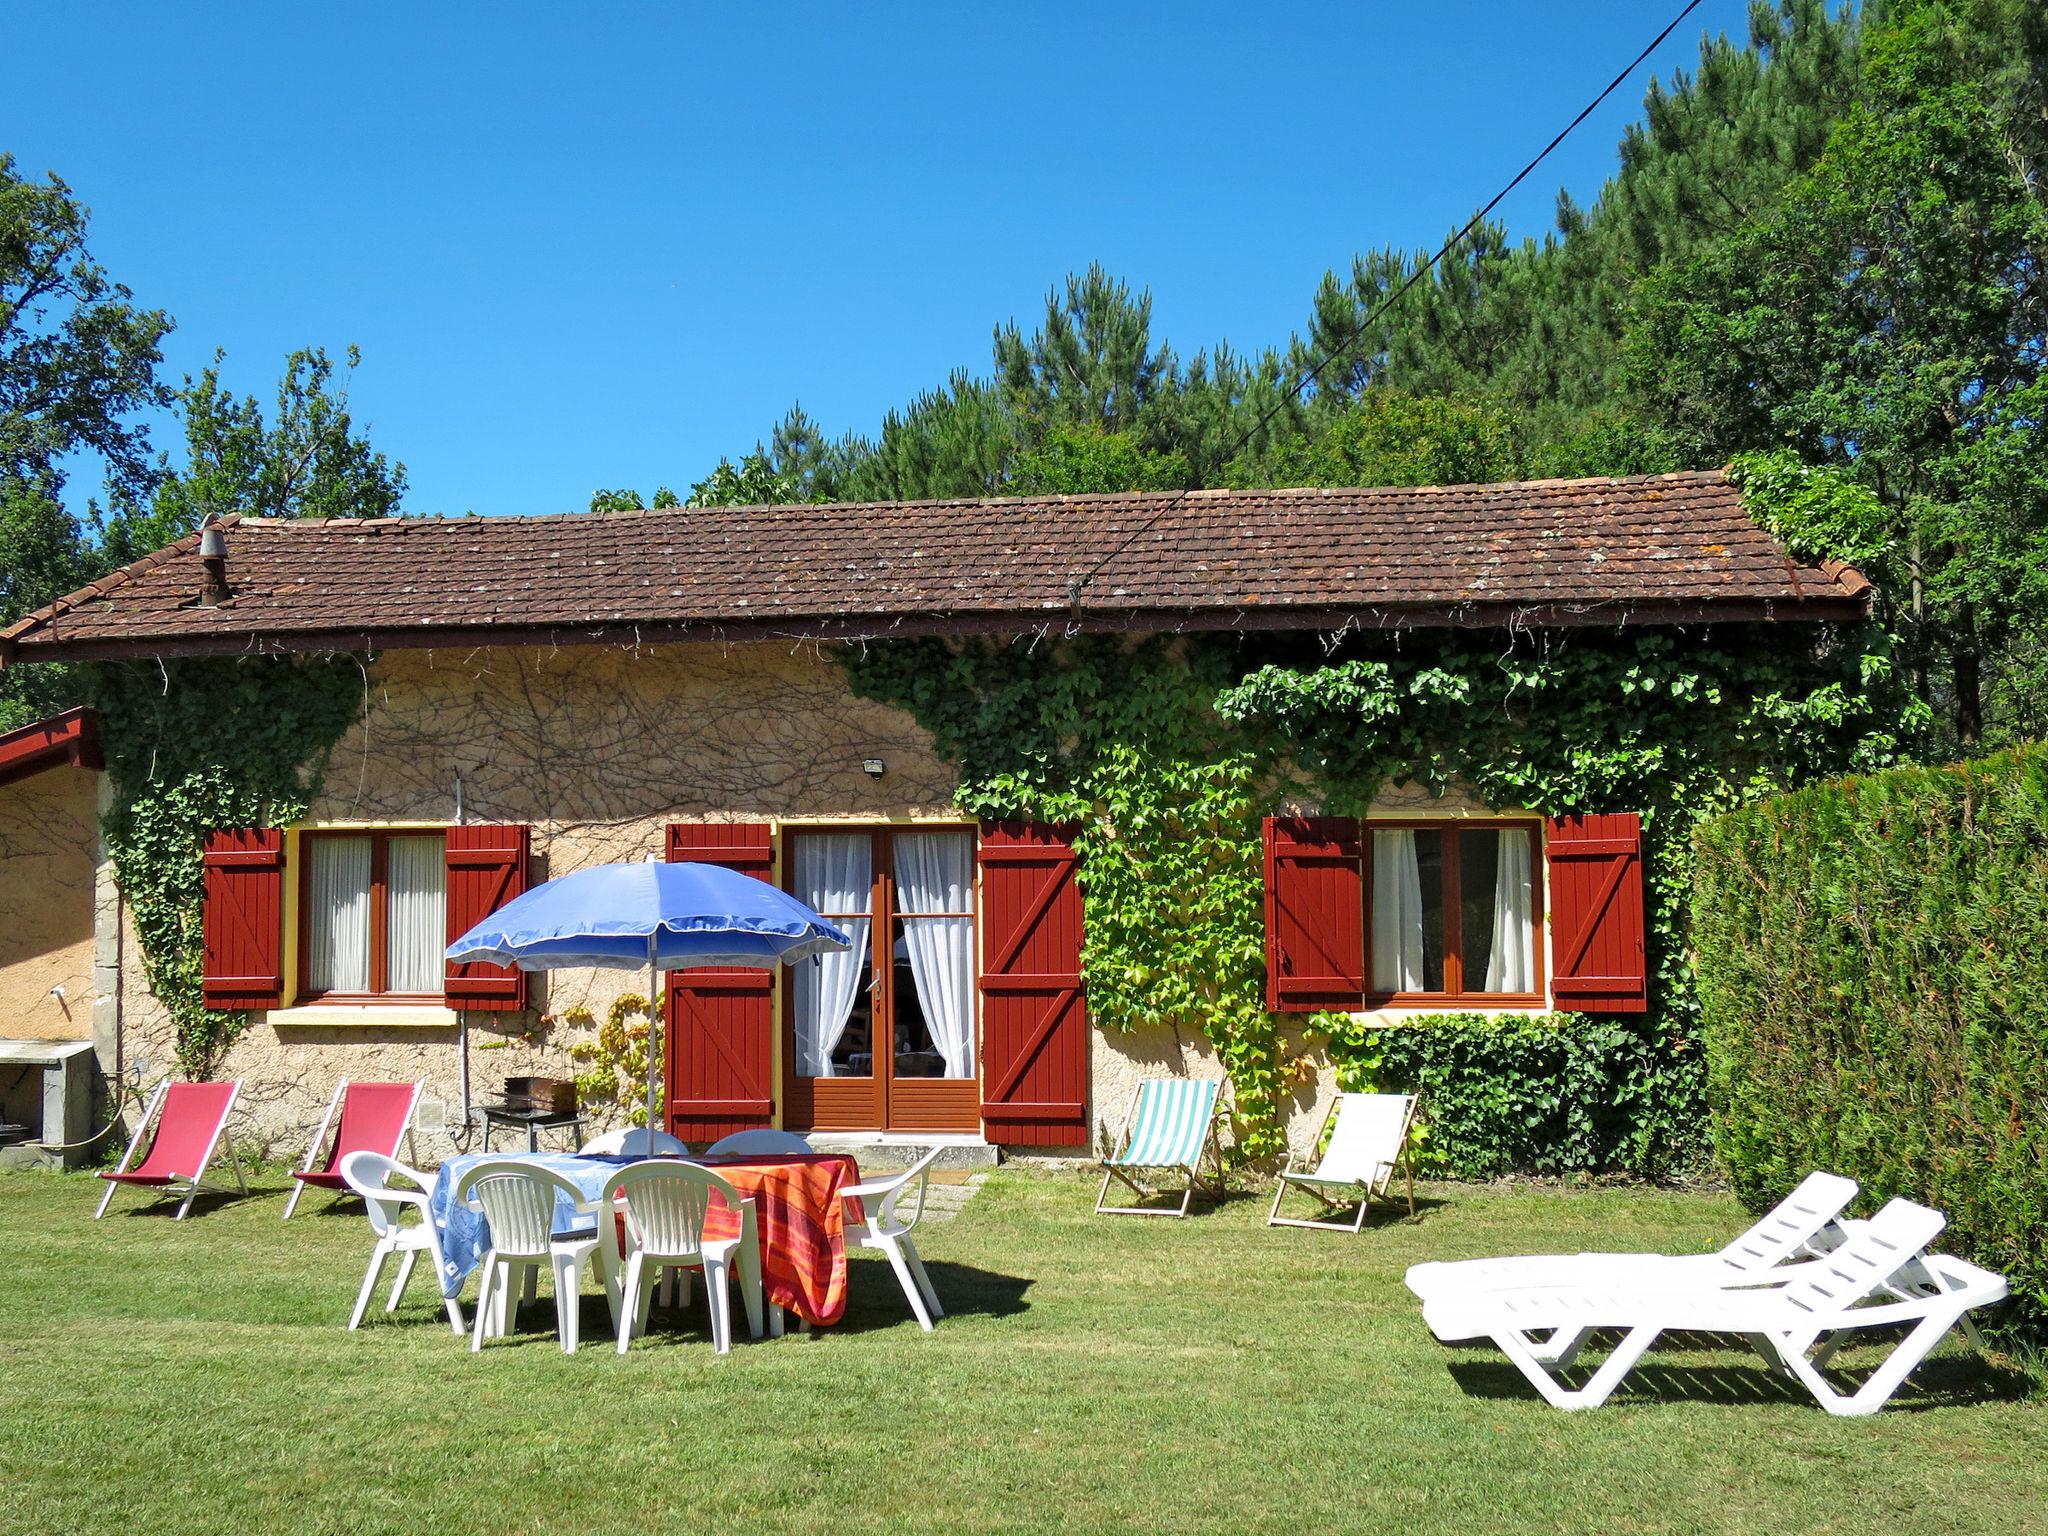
(1805, 1222)
(1797, 1325)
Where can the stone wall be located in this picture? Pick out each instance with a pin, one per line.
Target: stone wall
(49, 849)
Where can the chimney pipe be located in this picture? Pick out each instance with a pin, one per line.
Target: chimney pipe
(213, 559)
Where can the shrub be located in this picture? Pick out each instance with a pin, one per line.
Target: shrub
(1547, 1094)
(1873, 970)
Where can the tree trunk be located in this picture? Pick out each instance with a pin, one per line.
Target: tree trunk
(1969, 675)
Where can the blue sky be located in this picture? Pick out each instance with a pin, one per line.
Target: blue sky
(600, 245)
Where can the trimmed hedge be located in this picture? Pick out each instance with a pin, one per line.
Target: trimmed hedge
(1543, 1094)
(1873, 972)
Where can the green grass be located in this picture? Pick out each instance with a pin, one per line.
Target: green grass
(1096, 1374)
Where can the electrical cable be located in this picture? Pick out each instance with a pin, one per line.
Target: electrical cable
(1080, 583)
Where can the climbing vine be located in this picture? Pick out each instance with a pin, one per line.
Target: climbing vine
(191, 746)
(615, 1063)
(1164, 756)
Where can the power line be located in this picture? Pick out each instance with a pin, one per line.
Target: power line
(1080, 583)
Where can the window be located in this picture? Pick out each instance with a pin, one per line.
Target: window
(906, 899)
(373, 914)
(1451, 911)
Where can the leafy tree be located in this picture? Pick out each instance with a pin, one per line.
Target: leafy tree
(753, 482)
(1088, 460)
(1389, 437)
(1891, 317)
(78, 367)
(305, 459)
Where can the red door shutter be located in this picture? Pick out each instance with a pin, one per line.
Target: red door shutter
(242, 928)
(1034, 1023)
(486, 869)
(718, 1023)
(1315, 914)
(1596, 914)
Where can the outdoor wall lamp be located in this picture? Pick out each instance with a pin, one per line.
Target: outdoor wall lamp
(873, 767)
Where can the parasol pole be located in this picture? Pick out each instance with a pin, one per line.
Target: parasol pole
(653, 1014)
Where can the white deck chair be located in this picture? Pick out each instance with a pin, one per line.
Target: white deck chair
(763, 1142)
(1805, 1222)
(1171, 1126)
(382, 1182)
(665, 1209)
(1796, 1326)
(518, 1200)
(887, 1234)
(1369, 1137)
(634, 1142)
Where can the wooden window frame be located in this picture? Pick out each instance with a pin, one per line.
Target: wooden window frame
(1454, 937)
(380, 917)
(882, 982)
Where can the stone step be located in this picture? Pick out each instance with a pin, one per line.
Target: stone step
(885, 1153)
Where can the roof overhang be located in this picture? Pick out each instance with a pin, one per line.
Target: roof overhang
(53, 646)
(72, 738)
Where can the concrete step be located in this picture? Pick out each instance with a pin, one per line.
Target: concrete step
(884, 1152)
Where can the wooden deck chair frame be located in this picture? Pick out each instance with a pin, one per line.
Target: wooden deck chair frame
(191, 1187)
(1367, 1193)
(1110, 1170)
(319, 1140)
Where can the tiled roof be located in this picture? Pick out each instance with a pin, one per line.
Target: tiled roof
(1647, 549)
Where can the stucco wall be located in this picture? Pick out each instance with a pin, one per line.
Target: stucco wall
(598, 749)
(49, 849)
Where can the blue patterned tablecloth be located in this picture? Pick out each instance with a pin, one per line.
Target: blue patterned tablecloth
(466, 1236)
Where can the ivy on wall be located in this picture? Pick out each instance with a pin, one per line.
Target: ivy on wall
(195, 745)
(1165, 756)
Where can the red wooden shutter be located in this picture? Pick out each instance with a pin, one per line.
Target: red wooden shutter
(1596, 914)
(486, 869)
(243, 923)
(1315, 914)
(1034, 1023)
(718, 1022)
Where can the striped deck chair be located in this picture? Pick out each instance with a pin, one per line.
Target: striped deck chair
(1369, 1137)
(1171, 1124)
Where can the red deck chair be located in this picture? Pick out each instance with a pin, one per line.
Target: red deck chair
(373, 1118)
(189, 1120)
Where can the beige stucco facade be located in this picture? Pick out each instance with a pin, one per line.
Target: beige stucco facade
(49, 849)
(597, 749)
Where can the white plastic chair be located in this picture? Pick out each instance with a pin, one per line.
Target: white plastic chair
(665, 1207)
(1357, 1165)
(1797, 1325)
(886, 1233)
(1805, 1223)
(634, 1142)
(764, 1143)
(377, 1179)
(518, 1200)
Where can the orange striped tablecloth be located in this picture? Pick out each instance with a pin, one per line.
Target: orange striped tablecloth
(802, 1222)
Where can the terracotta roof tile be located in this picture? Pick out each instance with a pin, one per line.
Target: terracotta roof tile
(1561, 551)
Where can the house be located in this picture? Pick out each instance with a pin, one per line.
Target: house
(539, 694)
(51, 968)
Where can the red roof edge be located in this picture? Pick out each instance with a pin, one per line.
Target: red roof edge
(70, 738)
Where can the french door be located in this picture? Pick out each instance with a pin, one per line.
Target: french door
(884, 1037)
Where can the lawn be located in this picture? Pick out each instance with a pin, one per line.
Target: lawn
(1095, 1374)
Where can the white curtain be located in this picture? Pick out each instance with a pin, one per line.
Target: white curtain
(338, 956)
(415, 873)
(935, 873)
(1508, 959)
(1396, 913)
(834, 874)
